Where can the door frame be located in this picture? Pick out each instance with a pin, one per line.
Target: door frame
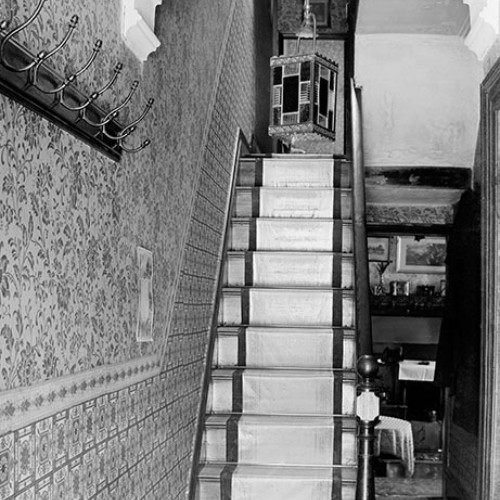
(488, 486)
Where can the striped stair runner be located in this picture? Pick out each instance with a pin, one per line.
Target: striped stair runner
(280, 417)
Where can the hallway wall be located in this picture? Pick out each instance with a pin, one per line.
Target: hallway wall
(411, 86)
(83, 407)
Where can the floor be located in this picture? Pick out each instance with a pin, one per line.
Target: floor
(426, 482)
(407, 489)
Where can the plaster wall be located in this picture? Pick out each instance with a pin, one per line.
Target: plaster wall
(420, 99)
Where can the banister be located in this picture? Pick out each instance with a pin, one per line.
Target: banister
(368, 402)
(363, 317)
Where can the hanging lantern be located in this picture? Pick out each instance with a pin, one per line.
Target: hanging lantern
(304, 92)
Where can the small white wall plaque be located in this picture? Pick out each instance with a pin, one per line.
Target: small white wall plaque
(145, 310)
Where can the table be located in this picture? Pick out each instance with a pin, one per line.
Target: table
(394, 436)
(416, 370)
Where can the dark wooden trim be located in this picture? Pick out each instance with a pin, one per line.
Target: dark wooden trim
(363, 325)
(489, 432)
(443, 177)
(241, 149)
(408, 229)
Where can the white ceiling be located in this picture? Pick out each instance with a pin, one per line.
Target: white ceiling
(438, 17)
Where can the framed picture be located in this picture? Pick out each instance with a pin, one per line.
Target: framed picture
(378, 249)
(321, 9)
(426, 255)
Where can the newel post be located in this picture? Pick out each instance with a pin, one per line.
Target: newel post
(368, 410)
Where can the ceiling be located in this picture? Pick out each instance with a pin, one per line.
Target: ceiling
(437, 17)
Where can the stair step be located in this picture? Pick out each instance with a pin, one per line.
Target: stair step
(294, 171)
(259, 347)
(250, 482)
(280, 440)
(289, 269)
(291, 234)
(287, 307)
(293, 202)
(281, 392)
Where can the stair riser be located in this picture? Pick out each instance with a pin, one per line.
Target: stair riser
(260, 348)
(286, 394)
(270, 307)
(294, 172)
(292, 202)
(291, 235)
(288, 269)
(280, 444)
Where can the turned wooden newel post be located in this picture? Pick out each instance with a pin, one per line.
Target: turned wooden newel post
(368, 410)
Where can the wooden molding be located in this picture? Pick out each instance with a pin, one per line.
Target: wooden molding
(489, 431)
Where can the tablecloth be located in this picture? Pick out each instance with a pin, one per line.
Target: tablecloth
(394, 436)
(412, 369)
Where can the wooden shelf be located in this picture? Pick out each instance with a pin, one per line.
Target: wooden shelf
(407, 305)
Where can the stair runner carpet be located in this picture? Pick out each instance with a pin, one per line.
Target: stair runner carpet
(280, 421)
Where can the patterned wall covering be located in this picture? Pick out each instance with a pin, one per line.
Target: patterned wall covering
(71, 220)
(290, 16)
(400, 214)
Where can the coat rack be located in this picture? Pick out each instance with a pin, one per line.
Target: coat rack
(30, 80)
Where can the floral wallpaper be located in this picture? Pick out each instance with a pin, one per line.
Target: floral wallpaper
(71, 219)
(70, 224)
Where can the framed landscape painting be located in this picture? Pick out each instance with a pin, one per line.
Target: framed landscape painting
(378, 249)
(425, 255)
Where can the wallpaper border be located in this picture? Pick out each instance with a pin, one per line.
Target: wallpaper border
(23, 406)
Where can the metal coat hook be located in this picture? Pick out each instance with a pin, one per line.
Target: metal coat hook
(44, 56)
(92, 97)
(114, 112)
(131, 127)
(58, 99)
(144, 144)
(72, 78)
(15, 31)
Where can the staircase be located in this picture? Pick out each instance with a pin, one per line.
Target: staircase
(280, 417)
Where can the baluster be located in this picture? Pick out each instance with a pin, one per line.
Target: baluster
(368, 410)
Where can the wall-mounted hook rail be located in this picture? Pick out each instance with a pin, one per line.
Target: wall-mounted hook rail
(30, 80)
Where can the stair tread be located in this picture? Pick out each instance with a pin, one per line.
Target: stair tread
(293, 470)
(222, 417)
(279, 326)
(286, 368)
(310, 288)
(280, 220)
(285, 327)
(294, 188)
(227, 371)
(291, 252)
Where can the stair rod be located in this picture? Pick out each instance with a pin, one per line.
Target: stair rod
(365, 345)
(241, 149)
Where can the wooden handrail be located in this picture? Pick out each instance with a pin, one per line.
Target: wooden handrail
(367, 401)
(365, 344)
(241, 148)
